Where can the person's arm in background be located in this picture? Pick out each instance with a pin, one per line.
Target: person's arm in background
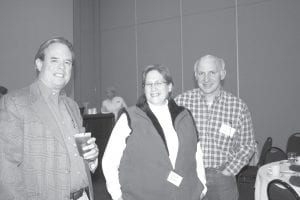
(112, 156)
(201, 169)
(103, 107)
(11, 151)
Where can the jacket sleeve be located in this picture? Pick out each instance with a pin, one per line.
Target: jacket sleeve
(11, 151)
(113, 155)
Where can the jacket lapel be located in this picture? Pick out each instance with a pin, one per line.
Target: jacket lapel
(74, 114)
(40, 107)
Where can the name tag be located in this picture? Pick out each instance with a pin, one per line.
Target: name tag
(174, 178)
(227, 130)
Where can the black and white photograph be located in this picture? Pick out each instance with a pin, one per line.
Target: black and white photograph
(149, 100)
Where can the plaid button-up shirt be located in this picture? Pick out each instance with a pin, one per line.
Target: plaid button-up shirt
(225, 129)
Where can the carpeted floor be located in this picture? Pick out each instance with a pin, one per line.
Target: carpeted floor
(100, 191)
(246, 191)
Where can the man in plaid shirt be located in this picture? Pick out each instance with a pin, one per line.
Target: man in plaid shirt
(224, 126)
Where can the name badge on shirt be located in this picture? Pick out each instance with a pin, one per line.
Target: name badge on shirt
(174, 178)
(227, 130)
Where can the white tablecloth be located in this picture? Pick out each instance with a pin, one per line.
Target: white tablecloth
(264, 176)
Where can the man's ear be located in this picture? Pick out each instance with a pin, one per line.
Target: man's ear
(196, 77)
(170, 87)
(38, 64)
(223, 74)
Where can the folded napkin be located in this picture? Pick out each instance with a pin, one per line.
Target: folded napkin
(295, 180)
(295, 168)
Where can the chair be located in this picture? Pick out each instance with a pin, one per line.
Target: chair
(100, 125)
(280, 190)
(267, 146)
(248, 173)
(246, 177)
(274, 154)
(293, 144)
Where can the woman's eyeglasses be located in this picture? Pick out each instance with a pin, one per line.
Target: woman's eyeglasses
(155, 84)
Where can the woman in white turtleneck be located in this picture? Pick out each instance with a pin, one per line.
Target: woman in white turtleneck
(153, 151)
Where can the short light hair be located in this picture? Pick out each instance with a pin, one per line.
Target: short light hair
(218, 61)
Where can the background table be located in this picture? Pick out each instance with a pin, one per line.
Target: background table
(100, 125)
(264, 177)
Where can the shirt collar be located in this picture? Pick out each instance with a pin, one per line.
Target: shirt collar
(49, 93)
(216, 98)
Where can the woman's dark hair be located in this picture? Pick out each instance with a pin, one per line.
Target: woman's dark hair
(3, 90)
(163, 70)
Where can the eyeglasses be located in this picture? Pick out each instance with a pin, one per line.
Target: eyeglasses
(156, 84)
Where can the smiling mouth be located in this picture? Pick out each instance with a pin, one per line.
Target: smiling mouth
(207, 85)
(154, 95)
(59, 75)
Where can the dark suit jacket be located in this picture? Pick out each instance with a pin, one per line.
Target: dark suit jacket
(34, 163)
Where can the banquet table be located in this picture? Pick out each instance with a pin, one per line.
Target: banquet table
(264, 176)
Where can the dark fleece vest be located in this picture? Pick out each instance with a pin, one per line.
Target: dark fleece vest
(145, 164)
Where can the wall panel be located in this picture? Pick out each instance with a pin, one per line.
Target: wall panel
(118, 66)
(159, 43)
(116, 13)
(156, 10)
(24, 26)
(209, 33)
(269, 67)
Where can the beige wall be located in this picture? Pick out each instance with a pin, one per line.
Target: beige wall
(262, 69)
(87, 49)
(138, 33)
(269, 35)
(115, 39)
(24, 26)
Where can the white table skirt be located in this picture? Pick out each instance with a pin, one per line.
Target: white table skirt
(264, 176)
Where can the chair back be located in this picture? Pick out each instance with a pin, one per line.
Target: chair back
(274, 154)
(267, 145)
(280, 190)
(293, 144)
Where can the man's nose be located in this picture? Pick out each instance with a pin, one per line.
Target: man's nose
(153, 87)
(61, 65)
(206, 77)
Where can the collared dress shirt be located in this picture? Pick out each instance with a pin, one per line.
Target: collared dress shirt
(69, 127)
(225, 129)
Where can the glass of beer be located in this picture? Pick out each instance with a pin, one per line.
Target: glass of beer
(81, 141)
